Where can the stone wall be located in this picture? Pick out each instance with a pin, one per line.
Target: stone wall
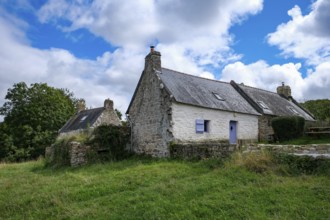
(202, 150)
(310, 149)
(78, 154)
(184, 124)
(150, 112)
(266, 132)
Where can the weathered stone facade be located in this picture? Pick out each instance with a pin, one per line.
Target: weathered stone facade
(150, 113)
(201, 150)
(266, 132)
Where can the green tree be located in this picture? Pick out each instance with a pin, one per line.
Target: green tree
(33, 115)
(319, 108)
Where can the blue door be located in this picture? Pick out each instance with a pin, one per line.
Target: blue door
(232, 132)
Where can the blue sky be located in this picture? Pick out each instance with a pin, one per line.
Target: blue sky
(96, 48)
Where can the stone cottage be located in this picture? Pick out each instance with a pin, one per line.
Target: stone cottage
(169, 106)
(90, 119)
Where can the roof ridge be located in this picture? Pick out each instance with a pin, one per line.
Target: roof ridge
(214, 80)
(90, 109)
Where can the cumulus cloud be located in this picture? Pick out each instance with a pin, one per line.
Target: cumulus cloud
(201, 28)
(190, 34)
(262, 75)
(111, 75)
(306, 37)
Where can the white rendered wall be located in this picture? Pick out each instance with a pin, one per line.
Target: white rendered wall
(184, 127)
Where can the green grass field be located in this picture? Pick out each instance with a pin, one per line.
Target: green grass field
(159, 189)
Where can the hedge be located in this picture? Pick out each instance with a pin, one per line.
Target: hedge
(288, 127)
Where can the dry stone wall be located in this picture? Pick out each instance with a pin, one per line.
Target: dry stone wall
(314, 150)
(78, 154)
(201, 150)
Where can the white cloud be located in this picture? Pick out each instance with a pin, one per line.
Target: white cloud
(191, 34)
(306, 37)
(112, 75)
(262, 75)
(199, 27)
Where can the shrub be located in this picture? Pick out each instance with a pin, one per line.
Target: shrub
(288, 127)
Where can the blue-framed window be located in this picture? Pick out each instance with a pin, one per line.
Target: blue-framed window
(202, 126)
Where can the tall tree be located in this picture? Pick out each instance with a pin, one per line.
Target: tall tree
(33, 115)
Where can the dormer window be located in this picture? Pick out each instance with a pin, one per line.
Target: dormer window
(216, 95)
(262, 105)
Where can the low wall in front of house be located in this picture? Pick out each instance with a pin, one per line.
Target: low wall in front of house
(309, 149)
(203, 149)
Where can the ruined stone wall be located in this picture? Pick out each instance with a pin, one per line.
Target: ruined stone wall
(150, 116)
(78, 154)
(200, 150)
(266, 132)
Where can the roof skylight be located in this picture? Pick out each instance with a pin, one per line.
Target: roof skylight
(83, 118)
(262, 105)
(294, 111)
(218, 96)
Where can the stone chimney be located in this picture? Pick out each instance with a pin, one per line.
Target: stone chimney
(284, 91)
(108, 104)
(81, 105)
(152, 60)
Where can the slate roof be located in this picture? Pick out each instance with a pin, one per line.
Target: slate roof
(199, 91)
(275, 104)
(82, 120)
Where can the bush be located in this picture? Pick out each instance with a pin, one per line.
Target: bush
(288, 127)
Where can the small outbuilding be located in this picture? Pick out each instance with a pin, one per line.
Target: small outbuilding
(89, 119)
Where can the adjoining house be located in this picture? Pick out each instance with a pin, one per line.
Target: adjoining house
(172, 107)
(270, 105)
(90, 119)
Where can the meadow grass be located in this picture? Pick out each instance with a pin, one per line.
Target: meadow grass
(161, 189)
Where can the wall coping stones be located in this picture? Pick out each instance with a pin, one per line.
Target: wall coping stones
(313, 150)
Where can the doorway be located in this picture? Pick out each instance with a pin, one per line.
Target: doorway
(232, 132)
